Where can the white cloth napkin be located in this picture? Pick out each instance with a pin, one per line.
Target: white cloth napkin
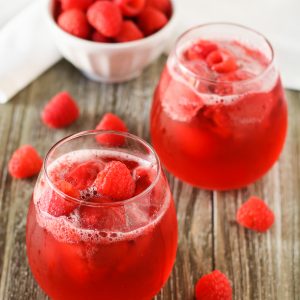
(26, 49)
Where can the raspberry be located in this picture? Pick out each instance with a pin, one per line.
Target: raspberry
(213, 286)
(200, 50)
(162, 5)
(74, 22)
(83, 175)
(78, 4)
(111, 122)
(255, 214)
(105, 17)
(60, 111)
(151, 20)
(59, 206)
(221, 61)
(129, 32)
(100, 38)
(130, 8)
(25, 162)
(115, 181)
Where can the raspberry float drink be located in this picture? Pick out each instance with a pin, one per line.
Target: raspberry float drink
(102, 222)
(219, 115)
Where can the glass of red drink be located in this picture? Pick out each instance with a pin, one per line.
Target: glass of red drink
(82, 242)
(219, 115)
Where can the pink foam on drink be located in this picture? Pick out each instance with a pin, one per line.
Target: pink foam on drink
(69, 228)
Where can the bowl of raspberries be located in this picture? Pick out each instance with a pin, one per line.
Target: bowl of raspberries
(111, 40)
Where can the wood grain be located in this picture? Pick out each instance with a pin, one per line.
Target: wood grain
(260, 266)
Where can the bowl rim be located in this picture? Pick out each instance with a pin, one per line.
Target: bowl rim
(114, 46)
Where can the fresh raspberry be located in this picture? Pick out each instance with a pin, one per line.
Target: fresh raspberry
(60, 111)
(200, 50)
(83, 175)
(111, 122)
(105, 17)
(100, 38)
(213, 286)
(59, 206)
(78, 4)
(129, 32)
(115, 181)
(221, 61)
(74, 21)
(130, 8)
(162, 5)
(255, 214)
(151, 20)
(25, 162)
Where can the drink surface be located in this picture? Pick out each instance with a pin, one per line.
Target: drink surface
(112, 251)
(219, 112)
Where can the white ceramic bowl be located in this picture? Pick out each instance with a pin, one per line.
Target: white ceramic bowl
(110, 62)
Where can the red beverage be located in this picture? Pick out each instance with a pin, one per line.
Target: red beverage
(219, 115)
(96, 247)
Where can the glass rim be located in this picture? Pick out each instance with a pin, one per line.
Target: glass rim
(102, 204)
(232, 24)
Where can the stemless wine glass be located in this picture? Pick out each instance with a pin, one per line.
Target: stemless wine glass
(219, 115)
(112, 250)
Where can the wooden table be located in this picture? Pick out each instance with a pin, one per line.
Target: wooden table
(260, 266)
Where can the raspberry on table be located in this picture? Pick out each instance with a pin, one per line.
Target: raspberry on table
(111, 122)
(151, 20)
(59, 206)
(78, 4)
(74, 21)
(129, 32)
(25, 162)
(105, 17)
(162, 5)
(115, 181)
(213, 286)
(130, 8)
(60, 111)
(255, 214)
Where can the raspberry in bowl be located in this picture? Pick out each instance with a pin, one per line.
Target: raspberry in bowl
(102, 219)
(111, 40)
(219, 114)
